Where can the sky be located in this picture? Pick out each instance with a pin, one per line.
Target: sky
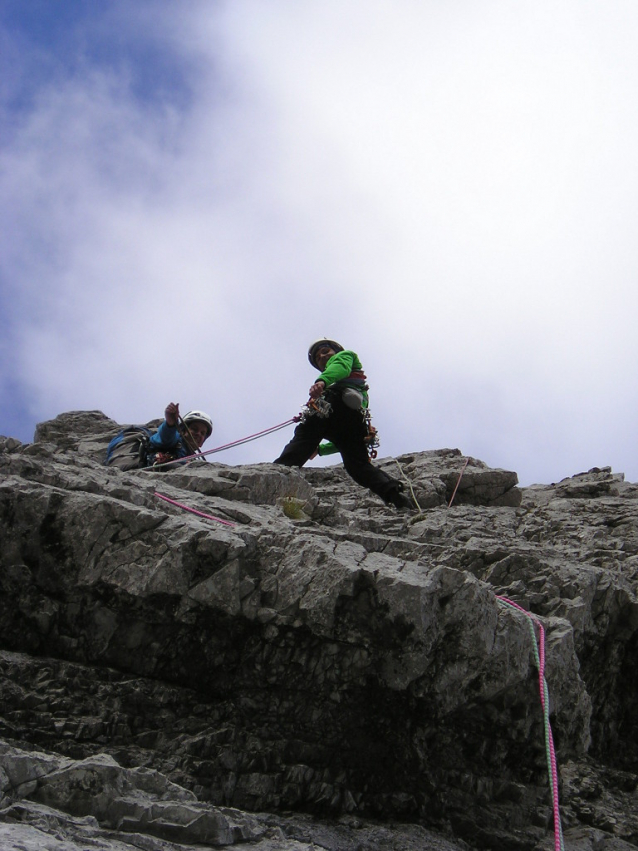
(191, 193)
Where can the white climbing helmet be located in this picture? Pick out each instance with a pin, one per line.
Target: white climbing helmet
(199, 416)
(324, 341)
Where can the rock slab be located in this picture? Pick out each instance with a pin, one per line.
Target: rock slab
(316, 668)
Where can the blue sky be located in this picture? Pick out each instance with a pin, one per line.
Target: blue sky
(191, 193)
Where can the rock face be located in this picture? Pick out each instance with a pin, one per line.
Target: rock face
(311, 666)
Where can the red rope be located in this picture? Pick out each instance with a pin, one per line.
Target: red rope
(193, 510)
(458, 482)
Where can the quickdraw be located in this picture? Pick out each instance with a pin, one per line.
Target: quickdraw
(372, 440)
(315, 408)
(161, 459)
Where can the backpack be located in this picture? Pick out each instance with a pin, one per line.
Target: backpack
(129, 450)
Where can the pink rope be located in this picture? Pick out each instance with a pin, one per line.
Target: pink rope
(192, 510)
(250, 437)
(549, 739)
(458, 482)
(242, 439)
(542, 682)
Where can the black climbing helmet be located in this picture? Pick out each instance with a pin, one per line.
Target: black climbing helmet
(324, 341)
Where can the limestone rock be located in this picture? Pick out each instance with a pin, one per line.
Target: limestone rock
(318, 675)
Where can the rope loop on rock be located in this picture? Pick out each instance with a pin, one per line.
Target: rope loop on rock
(416, 501)
(192, 510)
(539, 656)
(458, 482)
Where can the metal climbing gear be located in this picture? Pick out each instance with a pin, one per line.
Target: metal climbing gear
(162, 459)
(371, 440)
(315, 408)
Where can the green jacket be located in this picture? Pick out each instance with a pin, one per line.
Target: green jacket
(345, 369)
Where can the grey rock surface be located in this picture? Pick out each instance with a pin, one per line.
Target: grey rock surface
(311, 669)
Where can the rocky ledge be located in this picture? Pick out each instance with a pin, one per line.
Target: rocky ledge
(297, 666)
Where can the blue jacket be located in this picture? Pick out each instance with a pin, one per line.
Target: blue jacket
(168, 439)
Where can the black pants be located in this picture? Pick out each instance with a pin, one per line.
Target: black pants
(347, 430)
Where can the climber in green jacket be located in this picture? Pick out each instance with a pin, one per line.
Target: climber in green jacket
(344, 369)
(342, 421)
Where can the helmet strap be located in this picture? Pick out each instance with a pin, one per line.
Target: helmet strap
(192, 443)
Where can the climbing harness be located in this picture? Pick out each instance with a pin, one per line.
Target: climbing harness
(163, 459)
(322, 408)
(539, 657)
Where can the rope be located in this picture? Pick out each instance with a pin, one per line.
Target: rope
(188, 459)
(539, 656)
(192, 510)
(416, 502)
(538, 644)
(190, 434)
(458, 482)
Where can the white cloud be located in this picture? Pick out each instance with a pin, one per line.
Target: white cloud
(448, 189)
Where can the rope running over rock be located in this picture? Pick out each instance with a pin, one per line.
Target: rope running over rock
(192, 510)
(539, 656)
(537, 643)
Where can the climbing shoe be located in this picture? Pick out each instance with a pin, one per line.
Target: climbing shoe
(398, 499)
